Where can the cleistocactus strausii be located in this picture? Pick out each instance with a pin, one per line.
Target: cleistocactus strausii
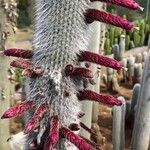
(54, 76)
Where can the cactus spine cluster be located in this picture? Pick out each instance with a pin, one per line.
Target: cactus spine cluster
(55, 77)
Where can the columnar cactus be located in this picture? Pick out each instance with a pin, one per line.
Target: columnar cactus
(54, 75)
(141, 131)
(118, 137)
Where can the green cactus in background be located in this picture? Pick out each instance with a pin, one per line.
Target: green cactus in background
(142, 38)
(136, 38)
(117, 32)
(127, 40)
(131, 45)
(107, 46)
(111, 35)
(133, 38)
(116, 41)
(142, 27)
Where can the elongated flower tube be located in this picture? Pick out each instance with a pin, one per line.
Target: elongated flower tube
(75, 139)
(100, 59)
(36, 118)
(93, 96)
(78, 71)
(54, 132)
(131, 4)
(97, 15)
(22, 64)
(18, 110)
(18, 53)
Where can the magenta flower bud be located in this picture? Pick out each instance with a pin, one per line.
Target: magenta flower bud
(22, 64)
(97, 15)
(81, 114)
(78, 71)
(74, 127)
(131, 4)
(100, 60)
(93, 96)
(18, 53)
(17, 110)
(75, 139)
(38, 115)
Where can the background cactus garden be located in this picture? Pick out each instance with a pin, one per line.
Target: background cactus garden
(74, 75)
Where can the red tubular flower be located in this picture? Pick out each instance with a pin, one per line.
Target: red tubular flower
(97, 15)
(36, 118)
(17, 110)
(54, 132)
(100, 59)
(124, 3)
(22, 64)
(18, 53)
(93, 96)
(75, 139)
(78, 71)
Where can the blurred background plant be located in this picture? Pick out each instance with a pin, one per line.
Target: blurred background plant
(134, 38)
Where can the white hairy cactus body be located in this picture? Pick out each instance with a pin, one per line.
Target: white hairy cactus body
(60, 32)
(56, 82)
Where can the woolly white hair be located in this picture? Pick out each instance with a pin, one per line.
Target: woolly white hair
(60, 34)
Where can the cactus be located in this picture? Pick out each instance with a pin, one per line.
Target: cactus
(130, 66)
(135, 95)
(54, 77)
(124, 63)
(116, 52)
(111, 35)
(107, 46)
(136, 38)
(110, 74)
(122, 46)
(118, 131)
(138, 58)
(127, 41)
(131, 45)
(141, 131)
(116, 41)
(137, 73)
(144, 56)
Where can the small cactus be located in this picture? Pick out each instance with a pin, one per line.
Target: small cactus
(118, 131)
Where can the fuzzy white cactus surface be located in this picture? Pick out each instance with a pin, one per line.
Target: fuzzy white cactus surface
(56, 81)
